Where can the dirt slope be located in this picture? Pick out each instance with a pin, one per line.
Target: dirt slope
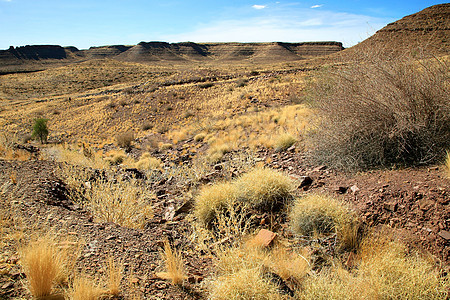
(427, 31)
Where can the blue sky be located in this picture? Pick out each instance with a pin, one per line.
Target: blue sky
(85, 23)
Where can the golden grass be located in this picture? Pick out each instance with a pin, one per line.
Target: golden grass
(175, 270)
(83, 288)
(147, 162)
(264, 188)
(284, 141)
(115, 274)
(126, 203)
(447, 164)
(46, 264)
(245, 284)
(121, 202)
(246, 272)
(227, 204)
(319, 214)
(386, 270)
(213, 200)
(81, 156)
(217, 151)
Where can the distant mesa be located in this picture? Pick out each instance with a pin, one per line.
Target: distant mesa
(162, 51)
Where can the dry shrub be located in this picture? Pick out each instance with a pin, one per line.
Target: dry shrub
(125, 140)
(165, 146)
(284, 141)
(382, 110)
(318, 214)
(264, 188)
(244, 284)
(240, 276)
(387, 270)
(84, 289)
(289, 265)
(116, 157)
(47, 264)
(174, 265)
(77, 156)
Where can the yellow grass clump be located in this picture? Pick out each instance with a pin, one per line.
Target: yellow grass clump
(123, 203)
(114, 271)
(245, 284)
(385, 271)
(264, 188)
(447, 164)
(175, 270)
(213, 200)
(248, 272)
(46, 264)
(318, 214)
(84, 289)
(148, 162)
(217, 151)
(284, 141)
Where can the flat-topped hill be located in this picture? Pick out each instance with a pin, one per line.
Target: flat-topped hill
(41, 57)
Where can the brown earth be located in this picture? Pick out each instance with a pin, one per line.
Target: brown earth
(425, 33)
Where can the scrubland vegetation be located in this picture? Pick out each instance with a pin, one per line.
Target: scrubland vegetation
(377, 112)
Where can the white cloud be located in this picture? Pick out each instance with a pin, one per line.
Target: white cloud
(298, 25)
(256, 6)
(317, 6)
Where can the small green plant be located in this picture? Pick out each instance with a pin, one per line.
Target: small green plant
(40, 130)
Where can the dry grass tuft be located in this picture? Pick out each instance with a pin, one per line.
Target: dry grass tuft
(447, 164)
(217, 151)
(386, 270)
(46, 264)
(245, 284)
(255, 273)
(174, 265)
(115, 274)
(240, 276)
(84, 289)
(126, 203)
(264, 188)
(212, 200)
(125, 140)
(318, 214)
(148, 162)
(284, 141)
